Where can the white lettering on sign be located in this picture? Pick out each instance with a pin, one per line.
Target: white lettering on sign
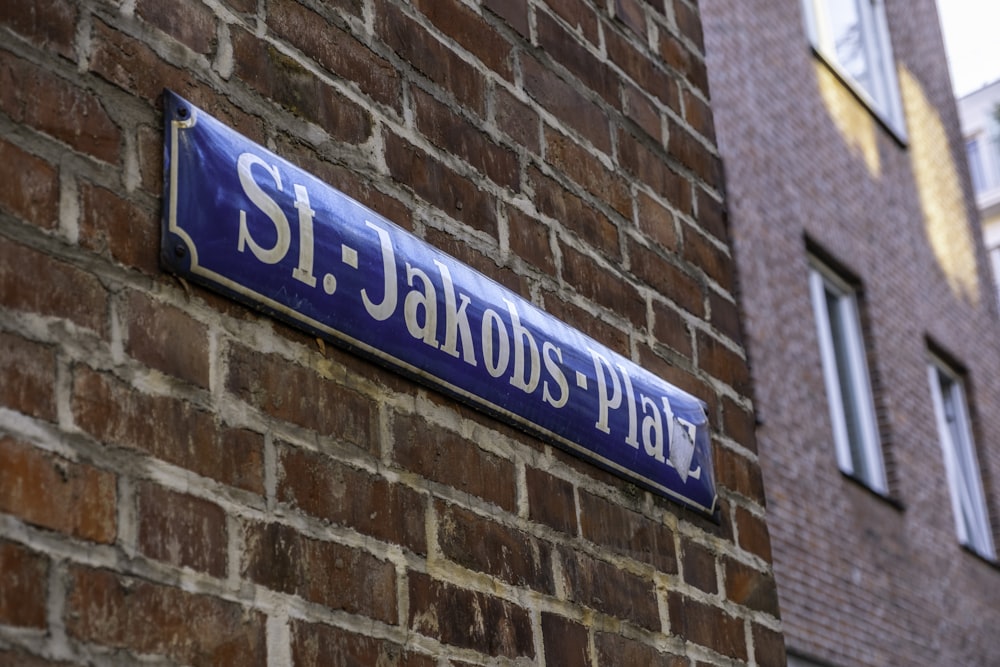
(437, 314)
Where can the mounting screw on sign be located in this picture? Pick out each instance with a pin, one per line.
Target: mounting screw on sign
(182, 112)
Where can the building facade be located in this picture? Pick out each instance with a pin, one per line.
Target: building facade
(871, 327)
(978, 114)
(186, 480)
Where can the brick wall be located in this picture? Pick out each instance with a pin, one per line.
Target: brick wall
(863, 580)
(185, 481)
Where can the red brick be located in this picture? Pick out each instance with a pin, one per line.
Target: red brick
(29, 373)
(134, 67)
(565, 154)
(299, 395)
(190, 22)
(150, 141)
(640, 67)
(696, 156)
(483, 545)
(630, 13)
(723, 363)
(604, 287)
(290, 84)
(566, 102)
(564, 48)
(698, 114)
(38, 98)
(712, 216)
(51, 492)
(657, 221)
(451, 193)
(181, 529)
(332, 575)
(336, 50)
(628, 533)
(769, 647)
(446, 457)
(167, 339)
(609, 589)
(584, 321)
(25, 586)
(337, 493)
(699, 566)
(320, 644)
(613, 649)
(456, 135)
(670, 329)
(737, 474)
(515, 12)
(713, 260)
(145, 618)
(69, 292)
(49, 24)
(649, 165)
(430, 57)
(116, 228)
(15, 658)
(670, 281)
(707, 626)
(574, 214)
(749, 587)
(529, 240)
(469, 29)
(641, 110)
(689, 65)
(467, 619)
(166, 428)
(566, 642)
(518, 120)
(551, 501)
(689, 22)
(753, 533)
(739, 424)
(580, 16)
(724, 315)
(31, 188)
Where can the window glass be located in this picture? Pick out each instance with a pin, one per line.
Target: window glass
(845, 371)
(853, 37)
(960, 462)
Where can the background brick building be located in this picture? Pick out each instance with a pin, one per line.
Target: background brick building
(834, 184)
(183, 480)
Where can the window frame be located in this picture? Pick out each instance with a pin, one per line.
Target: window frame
(822, 280)
(886, 106)
(961, 462)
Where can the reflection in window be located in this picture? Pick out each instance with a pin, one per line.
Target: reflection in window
(845, 372)
(961, 466)
(853, 37)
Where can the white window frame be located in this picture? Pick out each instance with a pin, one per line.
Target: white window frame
(961, 465)
(885, 99)
(871, 472)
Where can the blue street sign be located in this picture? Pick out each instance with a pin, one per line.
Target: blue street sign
(251, 225)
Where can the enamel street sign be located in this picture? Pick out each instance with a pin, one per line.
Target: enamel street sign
(242, 221)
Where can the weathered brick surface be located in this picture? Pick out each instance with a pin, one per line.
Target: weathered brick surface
(468, 619)
(184, 480)
(137, 615)
(51, 492)
(22, 596)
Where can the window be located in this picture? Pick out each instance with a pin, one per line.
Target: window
(975, 165)
(961, 466)
(845, 371)
(853, 38)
